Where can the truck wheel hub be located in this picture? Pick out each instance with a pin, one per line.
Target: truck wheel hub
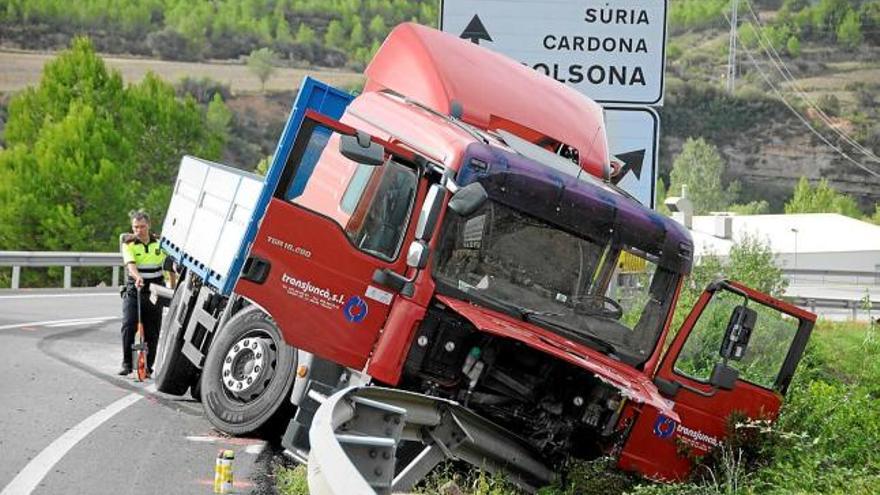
(248, 367)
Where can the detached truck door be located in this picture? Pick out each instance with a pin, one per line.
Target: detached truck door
(330, 225)
(751, 339)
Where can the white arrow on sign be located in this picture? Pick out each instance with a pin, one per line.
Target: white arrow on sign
(614, 51)
(633, 139)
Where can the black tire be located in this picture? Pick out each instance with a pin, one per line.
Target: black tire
(174, 372)
(243, 411)
(195, 390)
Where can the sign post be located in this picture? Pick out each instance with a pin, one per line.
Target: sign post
(633, 137)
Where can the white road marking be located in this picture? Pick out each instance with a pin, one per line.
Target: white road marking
(249, 443)
(255, 449)
(202, 439)
(82, 321)
(57, 322)
(32, 474)
(82, 294)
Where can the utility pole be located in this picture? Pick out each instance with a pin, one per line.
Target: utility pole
(731, 49)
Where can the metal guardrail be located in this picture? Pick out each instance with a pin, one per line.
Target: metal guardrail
(854, 305)
(837, 277)
(356, 431)
(19, 259)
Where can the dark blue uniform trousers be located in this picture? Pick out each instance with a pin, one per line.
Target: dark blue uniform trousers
(151, 316)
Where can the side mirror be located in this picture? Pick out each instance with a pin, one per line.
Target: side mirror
(468, 199)
(738, 333)
(430, 212)
(723, 376)
(361, 149)
(417, 256)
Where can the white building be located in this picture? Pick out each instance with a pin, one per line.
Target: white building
(804, 241)
(832, 262)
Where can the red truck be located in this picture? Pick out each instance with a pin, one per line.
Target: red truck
(441, 268)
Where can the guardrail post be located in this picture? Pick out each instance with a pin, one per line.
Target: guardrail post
(115, 276)
(855, 308)
(16, 276)
(67, 271)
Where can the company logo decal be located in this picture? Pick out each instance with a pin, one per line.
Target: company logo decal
(697, 439)
(355, 309)
(310, 293)
(664, 427)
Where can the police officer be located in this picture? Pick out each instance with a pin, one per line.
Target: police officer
(144, 262)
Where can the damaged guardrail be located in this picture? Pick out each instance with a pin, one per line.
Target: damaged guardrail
(356, 432)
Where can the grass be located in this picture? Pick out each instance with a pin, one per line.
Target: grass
(292, 480)
(827, 439)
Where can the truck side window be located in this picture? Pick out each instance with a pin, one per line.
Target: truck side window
(766, 352)
(385, 207)
(371, 204)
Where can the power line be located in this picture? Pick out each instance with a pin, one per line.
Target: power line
(784, 71)
(801, 117)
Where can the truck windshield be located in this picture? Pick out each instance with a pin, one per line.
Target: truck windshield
(608, 296)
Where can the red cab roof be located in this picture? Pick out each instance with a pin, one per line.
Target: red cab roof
(495, 92)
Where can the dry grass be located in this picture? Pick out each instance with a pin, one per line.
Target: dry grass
(834, 82)
(21, 69)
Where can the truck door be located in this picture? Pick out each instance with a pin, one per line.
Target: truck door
(732, 359)
(330, 225)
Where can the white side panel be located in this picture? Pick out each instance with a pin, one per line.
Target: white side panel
(213, 206)
(187, 189)
(237, 220)
(210, 210)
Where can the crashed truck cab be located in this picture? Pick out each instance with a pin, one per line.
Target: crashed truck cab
(449, 235)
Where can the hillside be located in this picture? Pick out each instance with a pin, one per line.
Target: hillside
(767, 147)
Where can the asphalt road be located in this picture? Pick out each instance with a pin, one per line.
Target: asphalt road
(69, 424)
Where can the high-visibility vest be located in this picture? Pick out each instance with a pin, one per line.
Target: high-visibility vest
(149, 258)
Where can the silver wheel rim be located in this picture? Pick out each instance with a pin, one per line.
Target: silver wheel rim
(249, 366)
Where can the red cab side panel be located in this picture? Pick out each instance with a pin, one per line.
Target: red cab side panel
(655, 442)
(317, 285)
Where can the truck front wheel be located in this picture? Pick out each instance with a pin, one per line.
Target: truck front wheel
(247, 374)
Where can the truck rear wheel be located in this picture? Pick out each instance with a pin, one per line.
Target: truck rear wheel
(174, 372)
(248, 374)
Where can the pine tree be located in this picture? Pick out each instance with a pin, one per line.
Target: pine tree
(218, 118)
(335, 35)
(793, 46)
(357, 38)
(82, 150)
(377, 28)
(282, 32)
(849, 33)
(260, 62)
(305, 35)
(700, 167)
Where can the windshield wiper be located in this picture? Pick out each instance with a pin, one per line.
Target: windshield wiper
(594, 342)
(515, 309)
